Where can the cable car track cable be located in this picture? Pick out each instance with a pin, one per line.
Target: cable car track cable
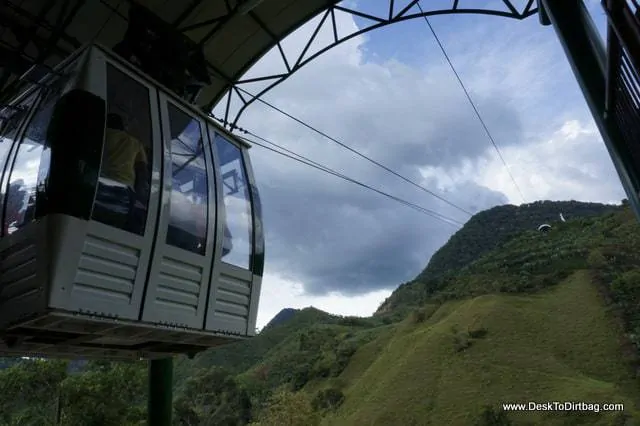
(315, 164)
(304, 160)
(325, 169)
(355, 151)
(475, 109)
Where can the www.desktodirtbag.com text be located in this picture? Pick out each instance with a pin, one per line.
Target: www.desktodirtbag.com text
(563, 406)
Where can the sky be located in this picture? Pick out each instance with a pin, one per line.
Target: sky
(391, 95)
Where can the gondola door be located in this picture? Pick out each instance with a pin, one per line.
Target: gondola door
(178, 283)
(233, 300)
(114, 247)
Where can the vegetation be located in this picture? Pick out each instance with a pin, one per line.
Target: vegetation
(554, 346)
(517, 316)
(211, 397)
(41, 392)
(483, 233)
(282, 317)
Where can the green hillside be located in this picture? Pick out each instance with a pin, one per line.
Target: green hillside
(540, 318)
(554, 346)
(483, 233)
(543, 318)
(238, 357)
(489, 229)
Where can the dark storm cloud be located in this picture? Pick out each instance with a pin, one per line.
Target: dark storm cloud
(452, 136)
(332, 236)
(423, 121)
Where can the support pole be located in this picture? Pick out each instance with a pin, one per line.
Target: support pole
(588, 58)
(160, 403)
(542, 14)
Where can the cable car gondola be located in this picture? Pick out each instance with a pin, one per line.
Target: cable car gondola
(99, 260)
(544, 228)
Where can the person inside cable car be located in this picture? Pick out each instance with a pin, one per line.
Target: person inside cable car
(125, 166)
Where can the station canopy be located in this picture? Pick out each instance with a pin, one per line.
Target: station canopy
(234, 34)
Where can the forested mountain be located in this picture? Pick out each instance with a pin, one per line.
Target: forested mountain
(484, 232)
(539, 317)
(282, 317)
(489, 229)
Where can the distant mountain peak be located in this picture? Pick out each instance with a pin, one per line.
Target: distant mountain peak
(281, 317)
(488, 230)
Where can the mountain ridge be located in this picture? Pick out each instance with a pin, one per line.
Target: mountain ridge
(486, 231)
(281, 317)
(553, 316)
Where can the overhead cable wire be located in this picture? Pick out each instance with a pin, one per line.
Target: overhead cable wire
(301, 159)
(466, 92)
(307, 161)
(355, 151)
(343, 176)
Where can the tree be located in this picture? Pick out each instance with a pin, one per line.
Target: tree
(287, 408)
(493, 417)
(212, 397)
(29, 392)
(108, 394)
(626, 288)
(328, 399)
(596, 259)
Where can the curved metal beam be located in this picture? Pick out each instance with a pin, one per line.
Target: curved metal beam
(328, 16)
(230, 80)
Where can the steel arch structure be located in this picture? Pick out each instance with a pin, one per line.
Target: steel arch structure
(328, 20)
(234, 34)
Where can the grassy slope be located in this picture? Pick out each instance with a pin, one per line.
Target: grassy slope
(238, 357)
(557, 345)
(491, 228)
(482, 234)
(546, 341)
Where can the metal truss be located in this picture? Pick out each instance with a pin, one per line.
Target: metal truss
(13, 18)
(59, 43)
(393, 13)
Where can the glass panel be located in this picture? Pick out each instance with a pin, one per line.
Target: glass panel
(189, 188)
(237, 247)
(31, 166)
(12, 118)
(123, 190)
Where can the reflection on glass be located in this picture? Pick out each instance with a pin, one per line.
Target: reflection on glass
(238, 242)
(125, 174)
(31, 166)
(11, 120)
(189, 189)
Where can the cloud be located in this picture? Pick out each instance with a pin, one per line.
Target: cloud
(282, 293)
(572, 163)
(332, 238)
(335, 237)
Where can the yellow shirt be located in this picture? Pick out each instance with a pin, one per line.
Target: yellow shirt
(121, 152)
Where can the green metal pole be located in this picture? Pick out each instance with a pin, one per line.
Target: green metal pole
(160, 404)
(588, 58)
